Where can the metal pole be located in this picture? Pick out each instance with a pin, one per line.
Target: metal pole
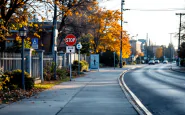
(121, 65)
(171, 47)
(55, 66)
(78, 61)
(54, 29)
(70, 67)
(147, 47)
(179, 37)
(22, 64)
(114, 60)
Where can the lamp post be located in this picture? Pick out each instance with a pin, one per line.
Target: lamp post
(22, 34)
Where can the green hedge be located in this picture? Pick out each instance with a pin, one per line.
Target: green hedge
(62, 73)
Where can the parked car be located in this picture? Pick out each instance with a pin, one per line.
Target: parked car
(174, 62)
(143, 62)
(157, 61)
(151, 62)
(165, 62)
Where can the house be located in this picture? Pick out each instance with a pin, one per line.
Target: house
(135, 49)
(44, 42)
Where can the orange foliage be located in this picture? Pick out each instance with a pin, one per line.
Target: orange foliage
(107, 32)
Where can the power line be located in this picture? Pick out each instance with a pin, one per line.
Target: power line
(170, 9)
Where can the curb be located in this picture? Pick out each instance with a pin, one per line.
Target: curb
(171, 68)
(3, 105)
(138, 106)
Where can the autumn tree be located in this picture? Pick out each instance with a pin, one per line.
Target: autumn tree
(73, 16)
(106, 31)
(159, 52)
(17, 13)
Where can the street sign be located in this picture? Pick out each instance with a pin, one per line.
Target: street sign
(70, 49)
(70, 40)
(79, 46)
(34, 42)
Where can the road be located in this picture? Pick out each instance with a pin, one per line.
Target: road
(161, 90)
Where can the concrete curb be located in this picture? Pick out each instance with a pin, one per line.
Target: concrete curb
(171, 68)
(139, 107)
(3, 105)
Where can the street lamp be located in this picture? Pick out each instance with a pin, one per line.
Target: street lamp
(23, 34)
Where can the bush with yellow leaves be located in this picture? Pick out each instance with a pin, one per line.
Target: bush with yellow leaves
(12, 80)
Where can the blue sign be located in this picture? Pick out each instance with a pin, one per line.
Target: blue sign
(94, 61)
(34, 42)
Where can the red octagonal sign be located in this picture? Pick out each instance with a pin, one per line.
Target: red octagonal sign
(70, 40)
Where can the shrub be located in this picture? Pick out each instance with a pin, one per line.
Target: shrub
(49, 71)
(15, 80)
(62, 73)
(75, 65)
(84, 65)
(107, 59)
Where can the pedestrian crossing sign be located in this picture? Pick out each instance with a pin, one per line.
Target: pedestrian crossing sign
(34, 42)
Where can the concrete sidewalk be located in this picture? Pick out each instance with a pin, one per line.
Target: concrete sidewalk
(98, 93)
(174, 67)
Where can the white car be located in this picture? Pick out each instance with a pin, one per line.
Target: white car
(157, 61)
(165, 62)
(151, 62)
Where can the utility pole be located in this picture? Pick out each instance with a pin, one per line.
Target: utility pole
(146, 47)
(181, 14)
(171, 55)
(122, 3)
(55, 34)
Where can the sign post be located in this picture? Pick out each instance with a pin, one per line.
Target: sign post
(114, 60)
(79, 46)
(70, 40)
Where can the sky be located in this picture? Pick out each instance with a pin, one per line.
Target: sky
(143, 18)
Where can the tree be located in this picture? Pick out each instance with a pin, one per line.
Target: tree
(85, 44)
(13, 15)
(159, 52)
(73, 16)
(107, 33)
(181, 53)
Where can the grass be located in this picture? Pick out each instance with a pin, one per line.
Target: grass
(50, 84)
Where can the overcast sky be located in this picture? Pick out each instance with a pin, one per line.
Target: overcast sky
(141, 20)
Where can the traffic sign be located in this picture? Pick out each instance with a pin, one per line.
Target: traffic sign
(70, 40)
(34, 42)
(70, 49)
(79, 46)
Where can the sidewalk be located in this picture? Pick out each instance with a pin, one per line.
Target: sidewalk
(98, 93)
(174, 67)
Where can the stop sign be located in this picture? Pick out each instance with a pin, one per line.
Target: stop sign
(70, 39)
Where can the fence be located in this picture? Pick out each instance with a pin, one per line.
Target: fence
(35, 66)
(12, 61)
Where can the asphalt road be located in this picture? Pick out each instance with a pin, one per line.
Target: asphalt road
(161, 90)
